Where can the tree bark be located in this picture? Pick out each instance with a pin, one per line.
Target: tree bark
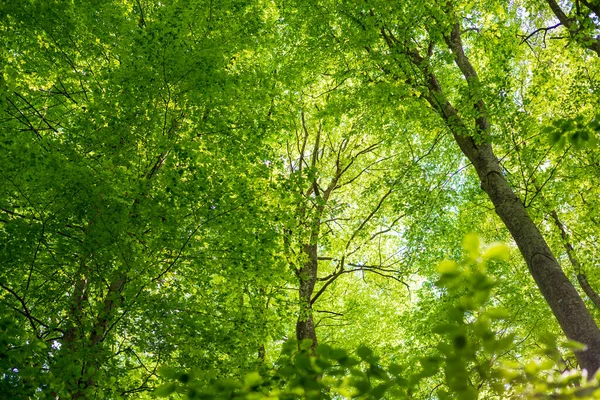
(74, 336)
(305, 326)
(560, 294)
(111, 301)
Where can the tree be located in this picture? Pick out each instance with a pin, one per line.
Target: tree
(120, 146)
(192, 184)
(471, 131)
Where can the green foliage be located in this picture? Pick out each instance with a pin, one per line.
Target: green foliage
(20, 363)
(574, 132)
(467, 346)
(163, 166)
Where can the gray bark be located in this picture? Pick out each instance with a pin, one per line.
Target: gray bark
(305, 326)
(560, 294)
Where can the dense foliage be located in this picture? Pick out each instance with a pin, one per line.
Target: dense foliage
(285, 199)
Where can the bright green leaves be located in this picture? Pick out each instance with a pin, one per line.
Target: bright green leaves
(364, 353)
(547, 375)
(467, 353)
(19, 348)
(165, 390)
(447, 267)
(471, 246)
(496, 251)
(468, 340)
(298, 374)
(151, 142)
(132, 153)
(252, 380)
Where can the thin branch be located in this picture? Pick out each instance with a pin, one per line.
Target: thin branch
(389, 228)
(581, 278)
(25, 310)
(369, 217)
(545, 30)
(191, 235)
(376, 269)
(330, 312)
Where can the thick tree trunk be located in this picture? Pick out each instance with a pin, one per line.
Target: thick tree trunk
(112, 300)
(87, 351)
(305, 326)
(560, 294)
(74, 336)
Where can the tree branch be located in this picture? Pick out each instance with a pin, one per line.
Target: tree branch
(545, 30)
(25, 311)
(581, 278)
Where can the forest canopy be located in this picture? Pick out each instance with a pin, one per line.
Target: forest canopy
(320, 199)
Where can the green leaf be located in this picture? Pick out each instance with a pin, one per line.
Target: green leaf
(497, 251)
(228, 385)
(324, 351)
(447, 267)
(364, 352)
(497, 313)
(253, 379)
(471, 245)
(547, 129)
(339, 354)
(554, 136)
(442, 329)
(165, 390)
(305, 344)
(378, 392)
(167, 372)
(395, 369)
(573, 345)
(183, 377)
(362, 385)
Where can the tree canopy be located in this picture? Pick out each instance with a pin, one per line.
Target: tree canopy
(299, 199)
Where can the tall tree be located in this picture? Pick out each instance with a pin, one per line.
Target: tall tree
(130, 192)
(411, 45)
(565, 302)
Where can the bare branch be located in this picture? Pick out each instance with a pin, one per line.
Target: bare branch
(25, 311)
(545, 30)
(369, 217)
(190, 236)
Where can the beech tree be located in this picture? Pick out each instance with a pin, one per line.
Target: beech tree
(409, 58)
(191, 190)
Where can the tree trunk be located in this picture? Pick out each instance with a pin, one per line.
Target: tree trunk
(560, 294)
(305, 326)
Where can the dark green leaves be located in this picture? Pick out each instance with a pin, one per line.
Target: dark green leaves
(574, 132)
